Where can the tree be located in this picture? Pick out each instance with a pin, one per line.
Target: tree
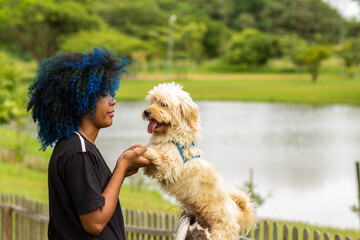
(12, 99)
(84, 41)
(139, 19)
(38, 26)
(349, 51)
(302, 17)
(311, 57)
(251, 47)
(189, 40)
(215, 38)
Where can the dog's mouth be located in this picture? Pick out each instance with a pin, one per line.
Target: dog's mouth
(153, 125)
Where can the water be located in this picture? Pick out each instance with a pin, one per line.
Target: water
(303, 156)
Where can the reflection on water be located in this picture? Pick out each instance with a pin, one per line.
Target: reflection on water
(302, 156)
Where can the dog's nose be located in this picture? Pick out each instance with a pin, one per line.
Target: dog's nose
(147, 113)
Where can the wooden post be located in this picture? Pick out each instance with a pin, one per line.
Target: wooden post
(266, 230)
(285, 232)
(337, 237)
(306, 234)
(316, 235)
(295, 234)
(275, 231)
(358, 181)
(149, 216)
(257, 231)
(326, 236)
(8, 221)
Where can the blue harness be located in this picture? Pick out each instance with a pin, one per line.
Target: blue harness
(181, 151)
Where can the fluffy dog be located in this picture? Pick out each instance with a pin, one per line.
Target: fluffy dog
(180, 170)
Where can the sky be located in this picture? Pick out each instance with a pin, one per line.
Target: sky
(348, 8)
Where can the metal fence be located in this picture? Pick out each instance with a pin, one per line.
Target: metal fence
(26, 219)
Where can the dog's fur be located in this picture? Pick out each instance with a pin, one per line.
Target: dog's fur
(195, 184)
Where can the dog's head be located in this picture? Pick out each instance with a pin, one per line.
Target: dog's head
(170, 109)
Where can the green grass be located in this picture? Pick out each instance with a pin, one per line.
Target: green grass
(33, 157)
(23, 181)
(296, 88)
(33, 183)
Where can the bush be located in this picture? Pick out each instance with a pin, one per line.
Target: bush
(251, 47)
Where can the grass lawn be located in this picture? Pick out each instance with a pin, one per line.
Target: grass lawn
(33, 183)
(329, 89)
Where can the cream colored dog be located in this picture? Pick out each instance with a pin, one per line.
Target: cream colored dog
(182, 172)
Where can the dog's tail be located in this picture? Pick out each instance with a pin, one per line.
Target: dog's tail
(247, 219)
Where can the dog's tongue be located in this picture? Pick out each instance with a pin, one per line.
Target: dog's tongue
(152, 126)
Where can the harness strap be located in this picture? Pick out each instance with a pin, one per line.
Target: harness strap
(83, 148)
(181, 151)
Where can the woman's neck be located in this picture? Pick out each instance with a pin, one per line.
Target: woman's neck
(88, 130)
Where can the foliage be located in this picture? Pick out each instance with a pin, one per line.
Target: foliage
(12, 100)
(355, 209)
(306, 18)
(349, 51)
(188, 40)
(215, 39)
(36, 26)
(41, 28)
(250, 47)
(139, 19)
(110, 38)
(257, 198)
(310, 56)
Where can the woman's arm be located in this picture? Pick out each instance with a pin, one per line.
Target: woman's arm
(127, 164)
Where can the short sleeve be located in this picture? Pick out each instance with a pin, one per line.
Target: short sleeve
(83, 182)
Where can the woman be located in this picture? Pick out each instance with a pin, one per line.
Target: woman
(71, 99)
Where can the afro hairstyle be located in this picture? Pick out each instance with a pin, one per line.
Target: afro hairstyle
(67, 86)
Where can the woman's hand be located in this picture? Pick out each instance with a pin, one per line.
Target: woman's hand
(131, 159)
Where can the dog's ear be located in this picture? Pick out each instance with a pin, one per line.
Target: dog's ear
(189, 111)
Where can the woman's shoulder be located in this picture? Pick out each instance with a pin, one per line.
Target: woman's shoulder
(72, 145)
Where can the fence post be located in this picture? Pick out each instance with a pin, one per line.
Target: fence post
(326, 236)
(8, 221)
(295, 234)
(257, 231)
(266, 230)
(316, 235)
(285, 232)
(275, 231)
(306, 234)
(337, 237)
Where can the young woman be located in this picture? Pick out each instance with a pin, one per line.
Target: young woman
(71, 99)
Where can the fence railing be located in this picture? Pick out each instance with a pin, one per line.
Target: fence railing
(24, 218)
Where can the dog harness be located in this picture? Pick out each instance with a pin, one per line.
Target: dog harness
(181, 151)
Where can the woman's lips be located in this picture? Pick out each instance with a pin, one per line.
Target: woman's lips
(111, 113)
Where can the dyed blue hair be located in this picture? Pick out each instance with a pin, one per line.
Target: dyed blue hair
(67, 87)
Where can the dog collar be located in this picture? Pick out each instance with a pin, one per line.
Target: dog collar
(181, 151)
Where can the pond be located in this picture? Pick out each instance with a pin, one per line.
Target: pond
(303, 156)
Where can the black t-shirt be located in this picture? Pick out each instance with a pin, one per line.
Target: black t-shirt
(77, 176)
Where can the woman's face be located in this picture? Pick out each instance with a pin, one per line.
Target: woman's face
(104, 111)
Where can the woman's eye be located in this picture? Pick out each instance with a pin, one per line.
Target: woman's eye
(163, 104)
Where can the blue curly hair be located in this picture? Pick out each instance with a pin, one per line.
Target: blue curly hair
(67, 87)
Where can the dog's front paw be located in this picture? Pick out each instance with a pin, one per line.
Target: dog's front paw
(153, 155)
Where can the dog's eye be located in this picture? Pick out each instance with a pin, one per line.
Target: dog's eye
(163, 104)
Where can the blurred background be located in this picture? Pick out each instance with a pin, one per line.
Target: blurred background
(277, 83)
